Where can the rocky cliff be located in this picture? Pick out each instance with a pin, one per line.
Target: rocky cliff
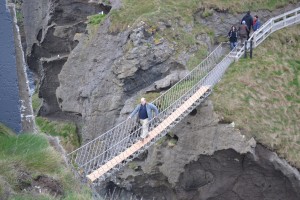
(102, 82)
(97, 74)
(50, 27)
(206, 159)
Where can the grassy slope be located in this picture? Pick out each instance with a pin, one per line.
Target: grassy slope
(180, 14)
(153, 11)
(33, 154)
(262, 96)
(66, 131)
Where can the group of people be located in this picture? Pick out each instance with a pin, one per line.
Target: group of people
(247, 24)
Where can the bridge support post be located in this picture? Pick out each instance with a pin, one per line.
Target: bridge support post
(245, 50)
(251, 48)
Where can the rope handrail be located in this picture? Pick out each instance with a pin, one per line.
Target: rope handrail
(120, 124)
(155, 100)
(110, 151)
(80, 156)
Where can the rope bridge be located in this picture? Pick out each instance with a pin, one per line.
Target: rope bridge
(109, 152)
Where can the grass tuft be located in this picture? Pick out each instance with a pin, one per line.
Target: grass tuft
(32, 154)
(134, 11)
(36, 102)
(66, 131)
(96, 19)
(4, 130)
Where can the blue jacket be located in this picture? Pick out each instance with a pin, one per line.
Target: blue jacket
(256, 25)
(149, 107)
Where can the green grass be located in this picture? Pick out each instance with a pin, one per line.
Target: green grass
(134, 11)
(245, 5)
(19, 16)
(96, 19)
(28, 150)
(32, 154)
(4, 130)
(179, 14)
(66, 131)
(36, 102)
(262, 95)
(197, 58)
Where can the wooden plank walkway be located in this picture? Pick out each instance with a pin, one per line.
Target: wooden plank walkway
(157, 130)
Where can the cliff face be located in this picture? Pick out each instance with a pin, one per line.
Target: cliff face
(98, 75)
(50, 27)
(210, 161)
(96, 82)
(103, 80)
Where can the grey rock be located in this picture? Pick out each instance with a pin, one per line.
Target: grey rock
(170, 80)
(36, 17)
(103, 85)
(91, 88)
(210, 161)
(50, 29)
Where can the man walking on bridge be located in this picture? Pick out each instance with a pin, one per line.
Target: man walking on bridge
(144, 111)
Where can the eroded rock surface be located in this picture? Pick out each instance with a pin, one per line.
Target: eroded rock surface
(113, 68)
(50, 27)
(210, 161)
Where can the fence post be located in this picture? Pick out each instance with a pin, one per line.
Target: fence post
(251, 47)
(245, 50)
(272, 24)
(254, 38)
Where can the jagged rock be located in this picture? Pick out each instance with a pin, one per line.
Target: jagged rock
(97, 89)
(170, 80)
(210, 161)
(102, 78)
(50, 28)
(36, 17)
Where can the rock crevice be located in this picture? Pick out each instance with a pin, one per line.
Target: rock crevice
(50, 29)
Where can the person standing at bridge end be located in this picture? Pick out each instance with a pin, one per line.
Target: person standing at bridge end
(232, 35)
(144, 111)
(249, 22)
(256, 23)
(243, 31)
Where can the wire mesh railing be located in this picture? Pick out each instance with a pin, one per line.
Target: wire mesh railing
(105, 147)
(98, 151)
(212, 77)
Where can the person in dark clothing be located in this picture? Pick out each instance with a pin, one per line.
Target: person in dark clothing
(256, 23)
(249, 22)
(233, 37)
(243, 31)
(144, 111)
